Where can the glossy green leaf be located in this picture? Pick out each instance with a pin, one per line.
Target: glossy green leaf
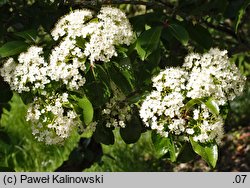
(160, 144)
(121, 80)
(148, 42)
(12, 48)
(209, 152)
(163, 146)
(88, 111)
(132, 132)
(179, 32)
(241, 13)
(192, 102)
(200, 35)
(212, 106)
(29, 35)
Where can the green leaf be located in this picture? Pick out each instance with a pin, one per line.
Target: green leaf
(186, 154)
(160, 144)
(163, 146)
(132, 132)
(212, 106)
(120, 78)
(27, 97)
(13, 48)
(179, 32)
(104, 135)
(102, 74)
(192, 102)
(209, 152)
(98, 93)
(200, 35)
(151, 19)
(241, 13)
(136, 97)
(141, 52)
(88, 111)
(94, 20)
(29, 35)
(148, 42)
(154, 59)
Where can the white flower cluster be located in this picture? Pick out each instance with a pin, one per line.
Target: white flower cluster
(164, 105)
(67, 59)
(30, 73)
(117, 112)
(52, 123)
(94, 39)
(82, 37)
(211, 74)
(202, 76)
(71, 24)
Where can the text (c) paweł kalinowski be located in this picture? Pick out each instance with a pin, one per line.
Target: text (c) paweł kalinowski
(61, 179)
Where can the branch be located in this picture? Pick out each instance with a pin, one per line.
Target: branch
(221, 28)
(118, 2)
(243, 46)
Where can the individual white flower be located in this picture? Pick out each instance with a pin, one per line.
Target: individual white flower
(190, 131)
(196, 114)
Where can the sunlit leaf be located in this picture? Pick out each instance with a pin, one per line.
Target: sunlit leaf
(13, 48)
(88, 111)
(212, 106)
(208, 152)
(163, 146)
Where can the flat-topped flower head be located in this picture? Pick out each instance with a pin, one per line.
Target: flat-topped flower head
(211, 74)
(51, 122)
(71, 23)
(95, 39)
(29, 73)
(203, 76)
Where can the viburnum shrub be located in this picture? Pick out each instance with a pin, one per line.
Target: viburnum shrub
(100, 75)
